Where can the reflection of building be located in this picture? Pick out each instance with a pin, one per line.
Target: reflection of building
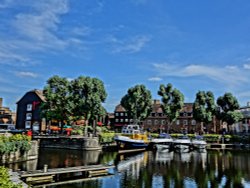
(28, 111)
(6, 115)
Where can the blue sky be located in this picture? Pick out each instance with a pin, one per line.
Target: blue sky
(195, 45)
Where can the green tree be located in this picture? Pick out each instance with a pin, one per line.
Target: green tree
(87, 95)
(204, 107)
(137, 102)
(172, 102)
(228, 106)
(56, 94)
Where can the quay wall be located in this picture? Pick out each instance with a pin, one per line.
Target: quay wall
(20, 156)
(71, 142)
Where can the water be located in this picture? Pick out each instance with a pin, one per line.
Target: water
(153, 169)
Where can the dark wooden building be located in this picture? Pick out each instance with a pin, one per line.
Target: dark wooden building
(28, 111)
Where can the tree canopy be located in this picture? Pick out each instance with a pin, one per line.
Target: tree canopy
(172, 101)
(137, 102)
(79, 98)
(56, 94)
(228, 106)
(87, 95)
(204, 106)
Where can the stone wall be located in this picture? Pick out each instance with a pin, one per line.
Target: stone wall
(82, 143)
(19, 156)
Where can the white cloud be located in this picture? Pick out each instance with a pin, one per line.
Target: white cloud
(130, 45)
(155, 79)
(229, 75)
(26, 74)
(246, 66)
(37, 27)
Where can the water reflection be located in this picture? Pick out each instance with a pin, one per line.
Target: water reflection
(155, 169)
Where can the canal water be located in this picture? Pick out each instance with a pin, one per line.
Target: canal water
(152, 169)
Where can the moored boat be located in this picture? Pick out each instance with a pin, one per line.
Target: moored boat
(199, 143)
(182, 144)
(132, 138)
(163, 143)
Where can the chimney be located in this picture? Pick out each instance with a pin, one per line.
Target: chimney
(1, 102)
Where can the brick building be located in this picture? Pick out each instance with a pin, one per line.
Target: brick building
(157, 120)
(6, 115)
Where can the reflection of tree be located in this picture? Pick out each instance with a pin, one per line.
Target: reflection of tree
(212, 169)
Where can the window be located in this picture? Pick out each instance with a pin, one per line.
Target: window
(149, 122)
(121, 114)
(193, 122)
(131, 120)
(116, 114)
(28, 116)
(121, 120)
(125, 114)
(29, 107)
(177, 122)
(116, 120)
(185, 122)
(126, 120)
(27, 124)
(163, 122)
(156, 122)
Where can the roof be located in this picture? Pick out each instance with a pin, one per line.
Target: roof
(38, 92)
(119, 108)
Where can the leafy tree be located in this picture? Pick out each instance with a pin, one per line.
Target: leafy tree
(204, 107)
(228, 106)
(137, 102)
(86, 96)
(56, 94)
(172, 102)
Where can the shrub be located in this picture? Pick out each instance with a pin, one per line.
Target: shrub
(14, 143)
(5, 181)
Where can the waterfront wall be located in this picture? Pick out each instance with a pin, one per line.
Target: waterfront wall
(20, 156)
(81, 143)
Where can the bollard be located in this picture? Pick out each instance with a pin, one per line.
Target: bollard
(45, 168)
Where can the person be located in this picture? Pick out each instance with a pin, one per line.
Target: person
(29, 133)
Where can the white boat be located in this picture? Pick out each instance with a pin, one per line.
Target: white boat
(132, 138)
(163, 143)
(199, 143)
(182, 144)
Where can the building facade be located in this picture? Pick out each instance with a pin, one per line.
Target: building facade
(6, 115)
(28, 111)
(157, 121)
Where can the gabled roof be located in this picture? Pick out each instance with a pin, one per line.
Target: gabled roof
(38, 92)
(119, 108)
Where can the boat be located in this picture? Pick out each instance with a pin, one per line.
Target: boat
(199, 143)
(132, 138)
(162, 143)
(182, 144)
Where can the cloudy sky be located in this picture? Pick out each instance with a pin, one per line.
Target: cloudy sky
(195, 45)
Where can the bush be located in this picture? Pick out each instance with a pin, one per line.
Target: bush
(5, 181)
(106, 138)
(14, 143)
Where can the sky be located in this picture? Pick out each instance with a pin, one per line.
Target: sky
(194, 45)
